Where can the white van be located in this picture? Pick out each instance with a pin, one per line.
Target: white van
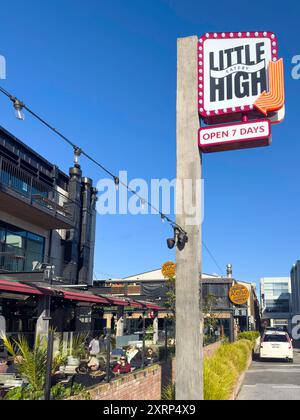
(276, 345)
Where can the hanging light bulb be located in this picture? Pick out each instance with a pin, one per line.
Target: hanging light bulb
(143, 203)
(163, 218)
(77, 154)
(117, 182)
(19, 110)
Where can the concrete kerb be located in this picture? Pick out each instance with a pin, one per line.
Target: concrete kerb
(241, 379)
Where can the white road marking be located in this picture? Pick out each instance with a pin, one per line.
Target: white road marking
(274, 371)
(273, 386)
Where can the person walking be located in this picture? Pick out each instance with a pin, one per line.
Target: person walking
(94, 347)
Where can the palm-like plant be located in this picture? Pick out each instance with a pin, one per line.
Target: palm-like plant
(77, 347)
(30, 363)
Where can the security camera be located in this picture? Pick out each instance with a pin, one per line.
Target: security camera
(171, 243)
(180, 238)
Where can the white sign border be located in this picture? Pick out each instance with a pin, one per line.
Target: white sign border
(237, 125)
(201, 82)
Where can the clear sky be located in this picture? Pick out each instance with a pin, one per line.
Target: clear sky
(104, 72)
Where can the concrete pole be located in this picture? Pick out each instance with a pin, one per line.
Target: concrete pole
(155, 330)
(2, 326)
(120, 323)
(42, 324)
(189, 343)
(108, 318)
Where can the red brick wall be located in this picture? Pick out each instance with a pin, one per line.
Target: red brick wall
(142, 385)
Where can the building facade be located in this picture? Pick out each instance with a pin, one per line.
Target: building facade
(275, 301)
(46, 216)
(227, 318)
(47, 219)
(295, 289)
(47, 237)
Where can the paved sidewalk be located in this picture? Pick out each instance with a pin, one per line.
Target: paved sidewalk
(272, 381)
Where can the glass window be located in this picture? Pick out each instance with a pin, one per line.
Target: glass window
(275, 339)
(2, 235)
(34, 250)
(19, 248)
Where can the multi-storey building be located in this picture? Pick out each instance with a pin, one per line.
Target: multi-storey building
(47, 237)
(47, 219)
(275, 301)
(295, 285)
(46, 216)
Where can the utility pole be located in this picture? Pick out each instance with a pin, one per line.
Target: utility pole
(189, 340)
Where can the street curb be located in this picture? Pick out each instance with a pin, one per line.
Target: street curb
(239, 384)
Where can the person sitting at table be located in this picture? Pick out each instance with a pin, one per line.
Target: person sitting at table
(93, 364)
(122, 366)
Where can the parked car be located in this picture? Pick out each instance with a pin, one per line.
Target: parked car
(276, 345)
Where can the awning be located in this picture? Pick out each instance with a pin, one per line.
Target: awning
(84, 297)
(17, 287)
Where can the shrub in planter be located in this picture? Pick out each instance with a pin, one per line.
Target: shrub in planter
(168, 393)
(221, 371)
(249, 335)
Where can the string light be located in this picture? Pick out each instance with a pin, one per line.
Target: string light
(117, 182)
(77, 154)
(20, 106)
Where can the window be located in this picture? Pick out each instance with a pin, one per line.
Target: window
(277, 305)
(19, 248)
(275, 339)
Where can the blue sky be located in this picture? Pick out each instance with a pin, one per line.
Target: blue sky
(104, 72)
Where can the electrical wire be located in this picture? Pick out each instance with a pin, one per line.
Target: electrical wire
(117, 181)
(77, 149)
(212, 257)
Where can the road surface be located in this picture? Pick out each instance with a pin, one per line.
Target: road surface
(272, 381)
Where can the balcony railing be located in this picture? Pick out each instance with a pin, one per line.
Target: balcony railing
(35, 191)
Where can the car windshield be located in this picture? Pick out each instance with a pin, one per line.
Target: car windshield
(275, 339)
